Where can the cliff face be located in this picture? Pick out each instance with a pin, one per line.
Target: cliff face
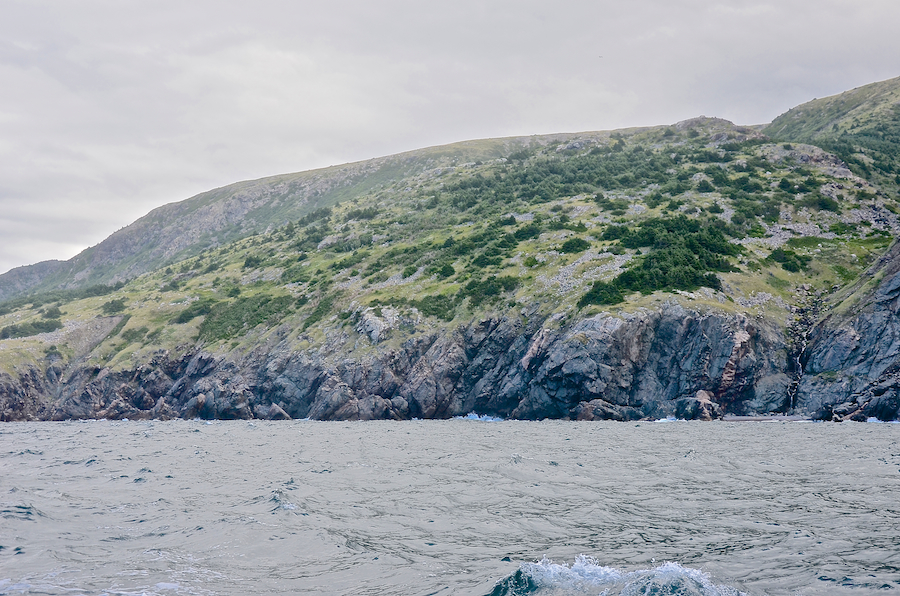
(651, 364)
(468, 278)
(853, 361)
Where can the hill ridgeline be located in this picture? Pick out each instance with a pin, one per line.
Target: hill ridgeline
(697, 270)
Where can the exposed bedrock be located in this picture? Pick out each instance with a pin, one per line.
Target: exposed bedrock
(651, 364)
(852, 363)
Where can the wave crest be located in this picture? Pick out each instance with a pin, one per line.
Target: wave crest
(587, 576)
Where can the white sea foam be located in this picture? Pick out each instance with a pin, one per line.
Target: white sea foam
(482, 418)
(586, 576)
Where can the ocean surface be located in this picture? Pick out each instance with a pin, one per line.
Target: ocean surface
(466, 506)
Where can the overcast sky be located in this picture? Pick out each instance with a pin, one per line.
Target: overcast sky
(111, 108)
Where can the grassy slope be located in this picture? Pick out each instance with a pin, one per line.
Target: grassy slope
(385, 253)
(435, 237)
(861, 126)
(180, 230)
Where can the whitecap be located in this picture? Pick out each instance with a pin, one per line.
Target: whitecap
(587, 576)
(481, 418)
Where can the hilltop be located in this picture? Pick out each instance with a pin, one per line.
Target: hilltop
(693, 270)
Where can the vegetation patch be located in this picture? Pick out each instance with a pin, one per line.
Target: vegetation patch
(31, 328)
(195, 309)
(322, 309)
(113, 306)
(789, 260)
(575, 245)
(684, 254)
(231, 319)
(488, 290)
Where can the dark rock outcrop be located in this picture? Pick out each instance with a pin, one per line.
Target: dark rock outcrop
(650, 364)
(852, 364)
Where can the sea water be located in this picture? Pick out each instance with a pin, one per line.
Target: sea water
(467, 506)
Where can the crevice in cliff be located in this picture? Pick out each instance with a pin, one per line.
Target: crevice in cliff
(798, 334)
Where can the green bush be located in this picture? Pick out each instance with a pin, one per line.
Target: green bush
(212, 267)
(575, 245)
(318, 214)
(479, 291)
(483, 260)
(683, 255)
(230, 319)
(756, 231)
(821, 203)
(52, 313)
(601, 293)
(29, 329)
(113, 306)
(195, 309)
(440, 306)
(705, 186)
(252, 262)
(357, 257)
(614, 232)
(527, 232)
(789, 260)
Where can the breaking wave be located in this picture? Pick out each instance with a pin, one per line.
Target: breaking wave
(586, 576)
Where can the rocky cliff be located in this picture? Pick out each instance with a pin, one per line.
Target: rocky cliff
(670, 361)
(694, 270)
(852, 364)
(649, 364)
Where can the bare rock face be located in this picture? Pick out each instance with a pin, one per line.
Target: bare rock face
(653, 364)
(852, 364)
(650, 364)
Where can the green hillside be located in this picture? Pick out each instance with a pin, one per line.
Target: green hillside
(861, 126)
(214, 218)
(703, 212)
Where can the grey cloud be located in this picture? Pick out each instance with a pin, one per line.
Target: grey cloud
(109, 109)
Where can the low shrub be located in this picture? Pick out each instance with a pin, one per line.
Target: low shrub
(113, 306)
(575, 245)
(29, 329)
(193, 310)
(602, 293)
(230, 319)
(479, 291)
(684, 254)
